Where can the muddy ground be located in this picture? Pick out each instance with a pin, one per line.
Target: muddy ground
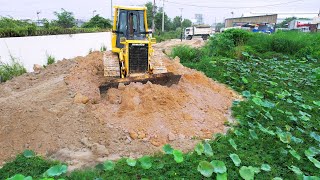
(59, 112)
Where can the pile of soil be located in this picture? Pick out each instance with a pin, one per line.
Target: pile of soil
(59, 112)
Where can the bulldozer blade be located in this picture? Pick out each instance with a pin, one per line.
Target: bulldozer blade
(164, 79)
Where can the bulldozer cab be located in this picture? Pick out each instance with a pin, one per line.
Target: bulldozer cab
(131, 25)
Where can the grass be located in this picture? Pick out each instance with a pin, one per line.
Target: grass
(50, 59)
(163, 36)
(10, 70)
(276, 125)
(103, 48)
(294, 44)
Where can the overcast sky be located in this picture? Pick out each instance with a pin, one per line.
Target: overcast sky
(212, 10)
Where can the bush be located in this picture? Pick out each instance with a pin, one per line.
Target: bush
(98, 22)
(233, 42)
(50, 59)
(51, 30)
(285, 45)
(238, 36)
(186, 53)
(219, 45)
(8, 71)
(162, 36)
(292, 43)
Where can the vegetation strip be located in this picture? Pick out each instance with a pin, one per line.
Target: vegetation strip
(277, 131)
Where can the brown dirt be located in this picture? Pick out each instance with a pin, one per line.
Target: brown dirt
(59, 112)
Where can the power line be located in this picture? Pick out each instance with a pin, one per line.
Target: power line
(279, 13)
(230, 7)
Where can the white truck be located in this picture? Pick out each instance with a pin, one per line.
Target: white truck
(201, 30)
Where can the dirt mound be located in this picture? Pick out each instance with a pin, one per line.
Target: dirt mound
(60, 113)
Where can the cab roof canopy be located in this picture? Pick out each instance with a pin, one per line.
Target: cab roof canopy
(130, 7)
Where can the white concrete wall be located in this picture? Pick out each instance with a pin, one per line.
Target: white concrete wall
(35, 49)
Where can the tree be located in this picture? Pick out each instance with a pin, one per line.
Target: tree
(158, 21)
(13, 23)
(98, 22)
(176, 22)
(46, 23)
(219, 26)
(149, 6)
(65, 19)
(284, 23)
(186, 23)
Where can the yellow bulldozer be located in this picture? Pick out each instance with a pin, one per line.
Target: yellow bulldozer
(131, 57)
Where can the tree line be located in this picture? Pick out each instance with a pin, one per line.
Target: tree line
(169, 24)
(66, 23)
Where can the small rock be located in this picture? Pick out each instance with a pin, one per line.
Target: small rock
(155, 143)
(133, 135)
(187, 117)
(149, 83)
(37, 68)
(16, 86)
(100, 149)
(85, 142)
(141, 135)
(171, 136)
(79, 98)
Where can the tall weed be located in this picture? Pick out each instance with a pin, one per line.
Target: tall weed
(10, 70)
(50, 59)
(233, 42)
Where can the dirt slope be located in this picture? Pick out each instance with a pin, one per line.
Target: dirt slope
(59, 112)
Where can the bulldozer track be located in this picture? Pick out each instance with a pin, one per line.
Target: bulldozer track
(158, 67)
(111, 64)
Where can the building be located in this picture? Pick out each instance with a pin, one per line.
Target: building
(199, 19)
(301, 25)
(239, 21)
(316, 21)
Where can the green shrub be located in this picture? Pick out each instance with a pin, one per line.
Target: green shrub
(260, 42)
(37, 31)
(10, 70)
(238, 36)
(103, 48)
(239, 51)
(186, 53)
(219, 45)
(162, 36)
(50, 59)
(285, 45)
(233, 42)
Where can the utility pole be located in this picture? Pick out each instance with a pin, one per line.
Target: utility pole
(93, 12)
(162, 15)
(38, 12)
(153, 15)
(111, 11)
(181, 23)
(215, 23)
